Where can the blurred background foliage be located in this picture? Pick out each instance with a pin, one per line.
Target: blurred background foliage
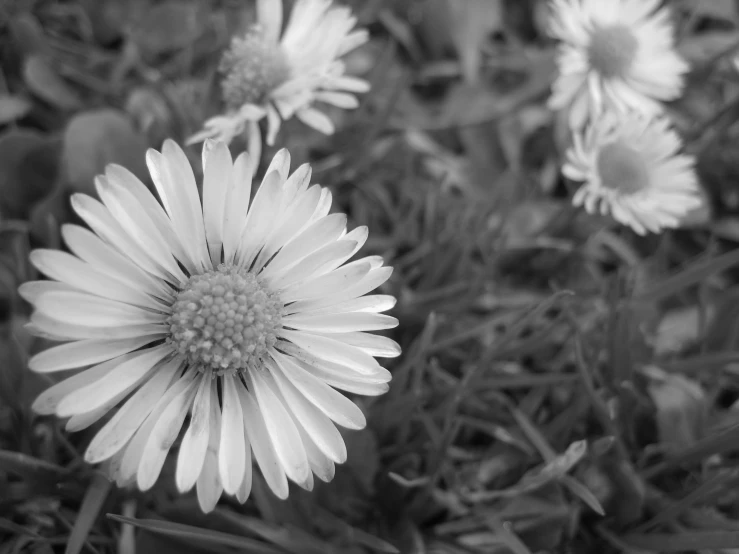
(565, 386)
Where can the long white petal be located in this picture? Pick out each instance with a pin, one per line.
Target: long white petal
(318, 426)
(217, 167)
(237, 204)
(264, 451)
(332, 284)
(47, 401)
(162, 436)
(339, 323)
(332, 403)
(66, 331)
(126, 421)
(209, 487)
(130, 372)
(231, 454)
(79, 308)
(195, 441)
(83, 353)
(282, 432)
(317, 235)
(90, 248)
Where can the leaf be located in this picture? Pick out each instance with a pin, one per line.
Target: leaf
(190, 533)
(29, 467)
(12, 108)
(683, 542)
(96, 138)
(12, 369)
(28, 171)
(681, 407)
(45, 83)
(693, 274)
(471, 22)
(166, 27)
(93, 501)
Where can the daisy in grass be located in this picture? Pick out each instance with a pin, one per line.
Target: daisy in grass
(268, 73)
(632, 169)
(248, 320)
(617, 55)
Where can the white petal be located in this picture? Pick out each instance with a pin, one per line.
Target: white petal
(129, 459)
(373, 303)
(264, 451)
(66, 331)
(339, 323)
(282, 431)
(217, 166)
(162, 436)
(318, 234)
(332, 284)
(260, 219)
(309, 266)
(31, 290)
(139, 227)
(317, 425)
(89, 247)
(71, 270)
(318, 120)
(293, 220)
(100, 220)
(332, 350)
(369, 282)
(84, 352)
(195, 442)
(269, 15)
(79, 308)
(374, 345)
(209, 487)
(339, 99)
(332, 403)
(47, 401)
(124, 178)
(126, 421)
(130, 372)
(231, 454)
(281, 164)
(237, 204)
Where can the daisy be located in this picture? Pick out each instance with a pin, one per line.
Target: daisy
(631, 168)
(615, 54)
(247, 319)
(268, 73)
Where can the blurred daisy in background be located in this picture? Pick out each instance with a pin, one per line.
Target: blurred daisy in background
(268, 73)
(248, 318)
(632, 169)
(616, 55)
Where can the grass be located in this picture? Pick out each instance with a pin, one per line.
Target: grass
(565, 386)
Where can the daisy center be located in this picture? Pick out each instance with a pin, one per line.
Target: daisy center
(252, 67)
(622, 168)
(224, 320)
(612, 50)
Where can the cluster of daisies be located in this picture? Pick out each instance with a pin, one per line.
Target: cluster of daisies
(617, 65)
(230, 323)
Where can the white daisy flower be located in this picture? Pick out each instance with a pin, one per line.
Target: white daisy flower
(268, 73)
(616, 55)
(248, 318)
(632, 169)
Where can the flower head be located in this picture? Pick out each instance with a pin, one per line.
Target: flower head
(274, 74)
(631, 168)
(245, 317)
(616, 55)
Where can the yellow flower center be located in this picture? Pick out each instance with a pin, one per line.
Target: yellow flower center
(612, 50)
(252, 67)
(224, 320)
(622, 168)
